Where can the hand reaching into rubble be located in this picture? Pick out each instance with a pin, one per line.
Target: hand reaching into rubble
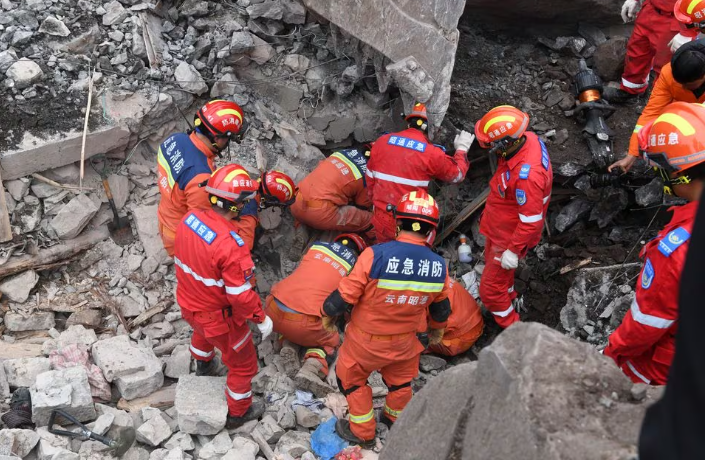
(629, 10)
(329, 323)
(435, 336)
(625, 164)
(265, 327)
(463, 141)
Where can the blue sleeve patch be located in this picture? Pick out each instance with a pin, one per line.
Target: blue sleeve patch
(673, 241)
(240, 242)
(407, 143)
(199, 228)
(545, 160)
(521, 197)
(250, 209)
(524, 171)
(647, 274)
(506, 175)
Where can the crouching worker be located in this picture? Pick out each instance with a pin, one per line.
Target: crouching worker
(391, 289)
(213, 272)
(465, 323)
(295, 306)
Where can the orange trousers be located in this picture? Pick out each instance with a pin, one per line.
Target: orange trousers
(168, 238)
(497, 287)
(303, 330)
(238, 354)
(396, 357)
(453, 346)
(324, 215)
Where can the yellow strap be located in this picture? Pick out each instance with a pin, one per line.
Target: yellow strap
(165, 164)
(396, 285)
(392, 412)
(316, 351)
(332, 255)
(362, 418)
(350, 164)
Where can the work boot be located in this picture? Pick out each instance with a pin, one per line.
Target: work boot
(310, 377)
(290, 356)
(20, 413)
(342, 427)
(386, 421)
(254, 412)
(212, 368)
(616, 95)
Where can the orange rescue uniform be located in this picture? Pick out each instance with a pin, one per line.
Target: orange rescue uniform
(465, 323)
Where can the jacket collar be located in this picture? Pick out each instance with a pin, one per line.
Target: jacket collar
(200, 145)
(413, 239)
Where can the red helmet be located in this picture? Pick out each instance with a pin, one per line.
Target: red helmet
(230, 186)
(418, 111)
(351, 240)
(500, 127)
(418, 206)
(277, 189)
(221, 118)
(690, 12)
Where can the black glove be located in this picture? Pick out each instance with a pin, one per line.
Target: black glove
(423, 338)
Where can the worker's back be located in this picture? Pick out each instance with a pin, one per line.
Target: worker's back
(338, 179)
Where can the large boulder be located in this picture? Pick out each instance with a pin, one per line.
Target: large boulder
(534, 394)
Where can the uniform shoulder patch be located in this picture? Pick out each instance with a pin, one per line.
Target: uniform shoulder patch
(647, 274)
(401, 141)
(545, 160)
(524, 171)
(673, 240)
(238, 239)
(507, 175)
(521, 197)
(199, 228)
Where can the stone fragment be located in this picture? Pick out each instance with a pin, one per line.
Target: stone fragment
(217, 447)
(430, 363)
(24, 73)
(184, 441)
(613, 200)
(188, 78)
(246, 448)
(293, 443)
(200, 404)
(650, 194)
(7, 57)
(17, 288)
(52, 26)
(120, 188)
(74, 334)
(73, 217)
(154, 431)
(193, 8)
(136, 371)
(66, 389)
(269, 428)
(241, 42)
(267, 9)
(306, 417)
(179, 363)
(262, 51)
(90, 318)
(576, 210)
(22, 372)
(21, 38)
(115, 13)
(121, 419)
(148, 230)
(297, 62)
(102, 423)
(39, 321)
(528, 382)
(18, 188)
(16, 442)
(609, 58)
(293, 12)
(4, 385)
(47, 451)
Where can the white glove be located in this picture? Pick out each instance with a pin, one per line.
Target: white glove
(463, 141)
(629, 10)
(265, 327)
(509, 260)
(678, 41)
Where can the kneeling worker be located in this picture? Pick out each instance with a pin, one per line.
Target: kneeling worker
(465, 323)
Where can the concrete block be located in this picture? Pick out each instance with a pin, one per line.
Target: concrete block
(73, 217)
(40, 321)
(182, 440)
(154, 431)
(200, 404)
(145, 218)
(179, 363)
(22, 372)
(74, 334)
(217, 447)
(17, 288)
(66, 389)
(17, 443)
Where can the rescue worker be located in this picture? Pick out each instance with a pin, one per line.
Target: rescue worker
(275, 189)
(656, 30)
(465, 323)
(213, 273)
(405, 161)
(691, 15)
(391, 289)
(295, 305)
(520, 191)
(681, 80)
(185, 160)
(644, 344)
(334, 195)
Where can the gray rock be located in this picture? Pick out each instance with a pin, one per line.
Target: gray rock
(297, 62)
(40, 321)
(526, 390)
(188, 78)
(136, 371)
(613, 200)
(306, 417)
(262, 51)
(179, 363)
(43, 190)
(17, 443)
(609, 58)
(24, 73)
(243, 449)
(102, 423)
(576, 210)
(73, 217)
(193, 8)
(240, 42)
(228, 85)
(7, 57)
(115, 13)
(21, 38)
(269, 428)
(4, 385)
(294, 443)
(18, 188)
(22, 372)
(74, 334)
(66, 389)
(430, 363)
(592, 34)
(90, 318)
(121, 419)
(120, 188)
(47, 451)
(148, 230)
(17, 288)
(293, 12)
(154, 431)
(184, 441)
(200, 404)
(266, 9)
(52, 26)
(650, 194)
(217, 447)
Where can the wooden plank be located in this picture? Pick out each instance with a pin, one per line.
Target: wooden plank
(5, 228)
(19, 350)
(160, 399)
(468, 211)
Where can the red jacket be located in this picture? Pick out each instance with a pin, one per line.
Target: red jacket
(405, 161)
(318, 274)
(520, 191)
(393, 285)
(214, 268)
(645, 339)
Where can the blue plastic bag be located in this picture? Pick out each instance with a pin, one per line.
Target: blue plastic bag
(325, 442)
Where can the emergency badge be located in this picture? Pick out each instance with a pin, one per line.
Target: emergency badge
(521, 197)
(647, 275)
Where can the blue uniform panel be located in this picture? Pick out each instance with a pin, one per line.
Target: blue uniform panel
(184, 159)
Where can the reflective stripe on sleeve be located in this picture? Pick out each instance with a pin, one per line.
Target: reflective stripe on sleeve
(235, 290)
(628, 84)
(637, 373)
(316, 351)
(238, 396)
(362, 418)
(201, 353)
(649, 320)
(637, 128)
(396, 179)
(546, 198)
(207, 281)
(530, 219)
(397, 285)
(504, 313)
(392, 412)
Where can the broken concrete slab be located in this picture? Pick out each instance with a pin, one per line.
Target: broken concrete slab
(55, 27)
(179, 363)
(189, 79)
(200, 404)
(24, 73)
(576, 210)
(73, 334)
(270, 429)
(66, 389)
(18, 188)
(4, 385)
(650, 194)
(120, 188)
(217, 447)
(17, 288)
(136, 371)
(184, 441)
(19, 443)
(73, 217)
(154, 431)
(147, 224)
(293, 443)
(39, 321)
